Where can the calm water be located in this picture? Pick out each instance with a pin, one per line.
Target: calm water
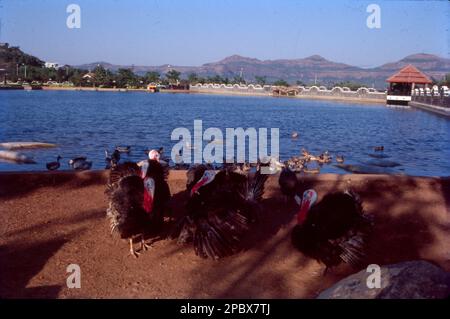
(85, 123)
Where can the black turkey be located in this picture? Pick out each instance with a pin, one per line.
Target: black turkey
(138, 199)
(288, 183)
(194, 173)
(221, 207)
(334, 230)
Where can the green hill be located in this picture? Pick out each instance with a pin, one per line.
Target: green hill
(11, 56)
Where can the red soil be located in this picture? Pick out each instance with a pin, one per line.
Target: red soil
(51, 220)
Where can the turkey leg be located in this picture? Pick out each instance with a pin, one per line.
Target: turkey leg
(132, 251)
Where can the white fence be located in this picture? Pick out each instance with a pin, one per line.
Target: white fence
(300, 91)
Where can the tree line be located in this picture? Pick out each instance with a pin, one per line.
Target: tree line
(126, 78)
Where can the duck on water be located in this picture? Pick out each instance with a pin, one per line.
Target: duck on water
(113, 160)
(80, 163)
(53, 166)
(123, 149)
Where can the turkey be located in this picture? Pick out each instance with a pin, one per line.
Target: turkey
(288, 183)
(194, 173)
(334, 230)
(138, 199)
(221, 207)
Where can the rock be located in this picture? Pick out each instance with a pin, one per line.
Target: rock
(15, 157)
(28, 145)
(406, 280)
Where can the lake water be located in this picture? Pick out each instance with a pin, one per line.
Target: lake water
(85, 123)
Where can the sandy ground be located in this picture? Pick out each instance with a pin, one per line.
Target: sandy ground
(51, 220)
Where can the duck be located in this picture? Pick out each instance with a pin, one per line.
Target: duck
(333, 231)
(112, 160)
(295, 163)
(76, 160)
(123, 149)
(305, 153)
(340, 158)
(324, 158)
(378, 148)
(53, 166)
(81, 166)
(269, 165)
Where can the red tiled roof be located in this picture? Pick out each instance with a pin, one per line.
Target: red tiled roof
(409, 74)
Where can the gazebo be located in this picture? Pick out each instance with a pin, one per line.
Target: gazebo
(402, 83)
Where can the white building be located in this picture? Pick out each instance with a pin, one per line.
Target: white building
(51, 65)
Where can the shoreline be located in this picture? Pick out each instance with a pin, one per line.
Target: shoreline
(53, 219)
(438, 110)
(340, 99)
(253, 94)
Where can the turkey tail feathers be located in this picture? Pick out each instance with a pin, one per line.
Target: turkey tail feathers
(120, 171)
(256, 187)
(353, 250)
(219, 237)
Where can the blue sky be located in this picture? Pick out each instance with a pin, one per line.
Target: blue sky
(155, 32)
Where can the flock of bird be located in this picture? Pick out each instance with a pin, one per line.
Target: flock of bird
(223, 205)
(81, 162)
(302, 163)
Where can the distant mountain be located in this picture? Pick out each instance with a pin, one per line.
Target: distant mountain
(307, 70)
(425, 62)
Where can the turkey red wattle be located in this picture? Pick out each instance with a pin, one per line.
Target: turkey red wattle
(309, 198)
(208, 177)
(149, 193)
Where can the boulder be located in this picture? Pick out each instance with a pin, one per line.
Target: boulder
(406, 280)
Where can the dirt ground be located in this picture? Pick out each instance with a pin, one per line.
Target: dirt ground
(52, 219)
